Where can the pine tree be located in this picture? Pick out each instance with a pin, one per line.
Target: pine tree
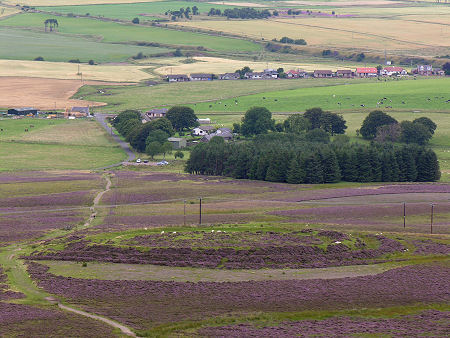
(278, 167)
(313, 169)
(330, 165)
(296, 171)
(363, 165)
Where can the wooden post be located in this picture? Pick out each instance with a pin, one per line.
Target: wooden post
(184, 213)
(200, 212)
(431, 219)
(404, 215)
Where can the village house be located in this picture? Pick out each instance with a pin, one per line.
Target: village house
(389, 71)
(323, 73)
(156, 113)
(256, 76)
(177, 142)
(424, 70)
(230, 76)
(366, 72)
(201, 77)
(177, 78)
(271, 73)
(203, 130)
(295, 74)
(347, 73)
(438, 72)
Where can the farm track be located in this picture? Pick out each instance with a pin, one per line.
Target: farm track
(22, 282)
(124, 145)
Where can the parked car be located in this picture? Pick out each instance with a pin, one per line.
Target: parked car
(138, 160)
(145, 161)
(162, 163)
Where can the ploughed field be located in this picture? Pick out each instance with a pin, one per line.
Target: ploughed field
(267, 259)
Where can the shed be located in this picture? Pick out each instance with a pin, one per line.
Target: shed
(177, 142)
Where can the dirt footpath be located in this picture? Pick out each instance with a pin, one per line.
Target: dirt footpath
(41, 93)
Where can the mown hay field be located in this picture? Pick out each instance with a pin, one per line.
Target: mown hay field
(116, 72)
(5, 11)
(41, 93)
(27, 45)
(370, 34)
(122, 33)
(215, 65)
(55, 145)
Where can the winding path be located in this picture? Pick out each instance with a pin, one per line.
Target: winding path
(23, 282)
(124, 145)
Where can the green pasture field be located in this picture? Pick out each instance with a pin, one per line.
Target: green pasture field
(144, 97)
(27, 45)
(130, 11)
(122, 33)
(350, 96)
(55, 144)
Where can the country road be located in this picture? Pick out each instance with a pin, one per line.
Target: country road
(124, 145)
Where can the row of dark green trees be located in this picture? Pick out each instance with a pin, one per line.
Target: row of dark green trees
(282, 157)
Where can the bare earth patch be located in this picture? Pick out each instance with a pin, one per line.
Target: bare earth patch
(41, 93)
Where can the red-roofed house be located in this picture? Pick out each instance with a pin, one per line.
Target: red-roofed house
(389, 71)
(295, 74)
(366, 72)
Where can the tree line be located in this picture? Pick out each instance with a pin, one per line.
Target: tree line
(382, 127)
(284, 157)
(241, 13)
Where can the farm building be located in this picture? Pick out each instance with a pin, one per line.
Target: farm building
(82, 111)
(323, 73)
(226, 135)
(201, 77)
(177, 142)
(366, 72)
(344, 73)
(204, 121)
(156, 113)
(23, 111)
(177, 78)
(230, 76)
(203, 130)
(389, 71)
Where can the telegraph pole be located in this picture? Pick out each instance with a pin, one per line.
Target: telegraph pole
(431, 219)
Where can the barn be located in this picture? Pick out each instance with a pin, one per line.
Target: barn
(23, 111)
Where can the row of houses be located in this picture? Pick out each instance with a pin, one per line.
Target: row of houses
(422, 70)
